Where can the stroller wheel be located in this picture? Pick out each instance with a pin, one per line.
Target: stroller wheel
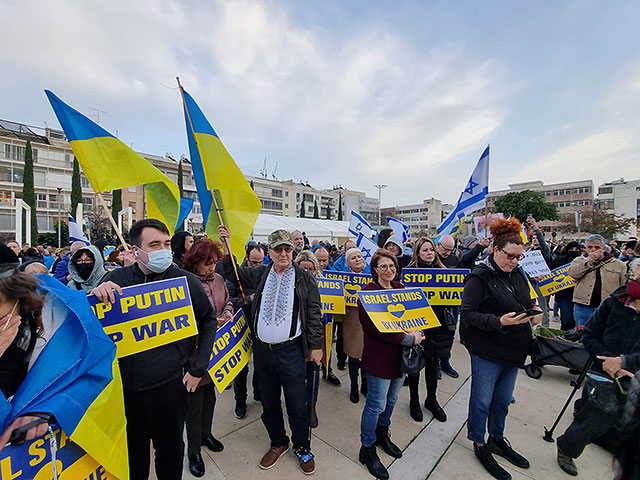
(533, 371)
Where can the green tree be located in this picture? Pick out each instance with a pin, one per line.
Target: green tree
(340, 205)
(76, 189)
(116, 205)
(316, 214)
(521, 204)
(51, 238)
(180, 178)
(328, 211)
(29, 194)
(303, 214)
(595, 220)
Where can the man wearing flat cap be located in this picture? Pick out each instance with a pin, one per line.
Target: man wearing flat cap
(286, 324)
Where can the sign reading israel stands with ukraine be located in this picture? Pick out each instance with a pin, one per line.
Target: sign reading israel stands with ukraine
(331, 295)
(231, 351)
(353, 283)
(558, 280)
(399, 310)
(147, 316)
(443, 286)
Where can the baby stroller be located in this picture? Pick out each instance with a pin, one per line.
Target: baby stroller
(552, 348)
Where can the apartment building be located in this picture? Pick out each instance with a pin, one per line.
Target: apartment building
(621, 197)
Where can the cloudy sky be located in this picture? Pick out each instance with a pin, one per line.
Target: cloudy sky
(353, 93)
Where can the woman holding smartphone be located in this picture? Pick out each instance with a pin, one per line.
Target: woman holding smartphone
(495, 302)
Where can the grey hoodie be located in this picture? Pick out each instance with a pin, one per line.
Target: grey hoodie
(96, 275)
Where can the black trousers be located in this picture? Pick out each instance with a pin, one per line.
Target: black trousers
(200, 406)
(156, 415)
(430, 377)
(240, 385)
(277, 371)
(340, 355)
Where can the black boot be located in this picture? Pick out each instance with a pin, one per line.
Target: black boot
(415, 410)
(369, 457)
(383, 438)
(502, 447)
(196, 465)
(489, 463)
(363, 387)
(354, 396)
(436, 410)
(212, 443)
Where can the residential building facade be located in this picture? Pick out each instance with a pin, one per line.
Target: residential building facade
(421, 217)
(622, 197)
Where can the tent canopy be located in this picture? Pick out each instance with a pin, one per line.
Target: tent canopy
(315, 229)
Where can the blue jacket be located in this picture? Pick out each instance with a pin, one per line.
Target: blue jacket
(62, 269)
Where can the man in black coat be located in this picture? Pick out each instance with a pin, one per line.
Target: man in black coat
(154, 381)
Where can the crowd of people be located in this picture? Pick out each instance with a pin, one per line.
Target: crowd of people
(167, 388)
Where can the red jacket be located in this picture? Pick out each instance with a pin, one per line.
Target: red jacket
(382, 352)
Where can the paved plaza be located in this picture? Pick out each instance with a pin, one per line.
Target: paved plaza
(433, 450)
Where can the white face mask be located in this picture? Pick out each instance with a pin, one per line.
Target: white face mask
(159, 260)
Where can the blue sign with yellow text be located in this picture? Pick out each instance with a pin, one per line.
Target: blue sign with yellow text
(147, 316)
(231, 351)
(331, 295)
(443, 286)
(353, 282)
(399, 310)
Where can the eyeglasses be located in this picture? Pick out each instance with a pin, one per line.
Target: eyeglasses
(386, 267)
(281, 248)
(511, 256)
(446, 249)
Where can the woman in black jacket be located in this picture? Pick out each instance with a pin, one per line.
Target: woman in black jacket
(495, 298)
(435, 344)
(181, 243)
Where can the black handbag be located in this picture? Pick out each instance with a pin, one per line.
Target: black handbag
(412, 359)
(450, 320)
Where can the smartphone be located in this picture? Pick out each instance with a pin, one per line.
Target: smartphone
(531, 312)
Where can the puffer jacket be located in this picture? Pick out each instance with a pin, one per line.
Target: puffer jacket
(612, 274)
(489, 293)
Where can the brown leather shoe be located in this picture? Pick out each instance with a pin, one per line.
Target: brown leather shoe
(272, 456)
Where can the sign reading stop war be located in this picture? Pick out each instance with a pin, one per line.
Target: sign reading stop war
(148, 315)
(353, 283)
(443, 286)
(398, 310)
(32, 460)
(231, 351)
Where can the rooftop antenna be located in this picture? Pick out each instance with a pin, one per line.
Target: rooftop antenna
(97, 114)
(273, 174)
(263, 170)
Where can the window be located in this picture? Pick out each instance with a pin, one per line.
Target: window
(605, 190)
(276, 193)
(286, 205)
(5, 174)
(5, 197)
(18, 175)
(88, 201)
(606, 204)
(271, 205)
(132, 189)
(42, 200)
(567, 192)
(308, 197)
(286, 193)
(39, 178)
(556, 193)
(133, 206)
(85, 183)
(297, 197)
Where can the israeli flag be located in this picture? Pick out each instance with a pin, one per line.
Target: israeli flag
(473, 197)
(359, 225)
(400, 229)
(75, 232)
(368, 247)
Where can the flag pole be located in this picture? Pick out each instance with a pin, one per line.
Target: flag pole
(113, 223)
(226, 240)
(486, 204)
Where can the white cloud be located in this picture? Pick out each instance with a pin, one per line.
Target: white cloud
(367, 103)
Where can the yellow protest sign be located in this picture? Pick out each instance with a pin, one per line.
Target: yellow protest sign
(558, 280)
(232, 350)
(398, 310)
(443, 286)
(148, 315)
(331, 295)
(353, 282)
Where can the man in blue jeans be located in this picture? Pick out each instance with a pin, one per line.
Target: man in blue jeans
(598, 274)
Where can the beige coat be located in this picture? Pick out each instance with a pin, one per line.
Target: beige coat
(353, 342)
(612, 273)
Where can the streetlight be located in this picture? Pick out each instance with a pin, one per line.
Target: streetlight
(59, 219)
(380, 187)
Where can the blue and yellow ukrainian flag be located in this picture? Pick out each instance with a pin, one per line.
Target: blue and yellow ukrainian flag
(77, 379)
(109, 164)
(213, 168)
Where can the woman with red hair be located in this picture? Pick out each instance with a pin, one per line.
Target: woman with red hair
(201, 260)
(497, 307)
